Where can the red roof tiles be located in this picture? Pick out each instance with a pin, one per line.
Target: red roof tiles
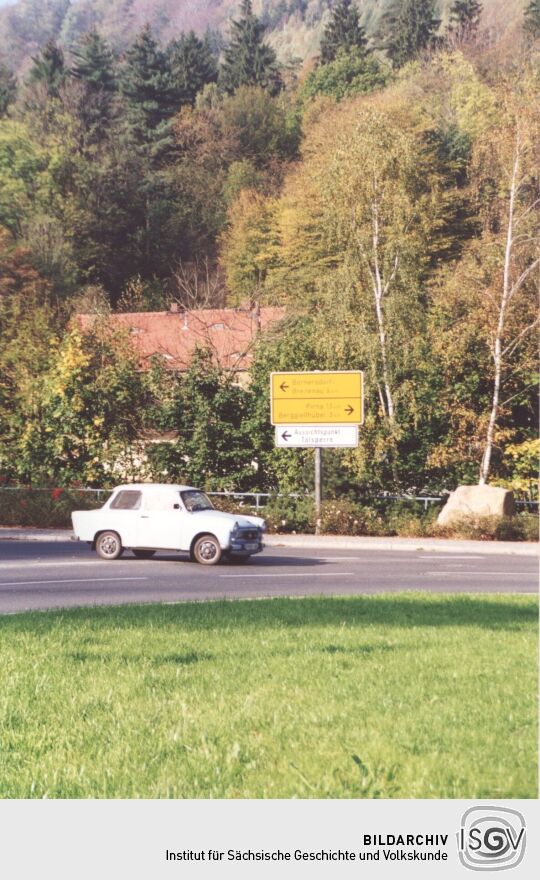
(228, 333)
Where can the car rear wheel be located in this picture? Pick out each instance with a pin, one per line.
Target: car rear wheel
(109, 545)
(206, 550)
(143, 554)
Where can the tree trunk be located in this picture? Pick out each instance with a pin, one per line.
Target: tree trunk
(379, 290)
(497, 342)
(486, 458)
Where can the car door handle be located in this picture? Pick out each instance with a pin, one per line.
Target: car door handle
(144, 517)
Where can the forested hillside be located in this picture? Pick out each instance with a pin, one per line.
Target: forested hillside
(294, 27)
(388, 199)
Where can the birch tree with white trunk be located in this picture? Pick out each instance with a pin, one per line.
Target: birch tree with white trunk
(380, 194)
(510, 157)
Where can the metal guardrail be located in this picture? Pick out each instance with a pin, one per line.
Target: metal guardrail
(97, 492)
(425, 499)
(258, 496)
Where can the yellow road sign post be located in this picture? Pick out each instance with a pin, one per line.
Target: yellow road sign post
(317, 398)
(331, 398)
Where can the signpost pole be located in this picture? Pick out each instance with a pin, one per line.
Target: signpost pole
(318, 489)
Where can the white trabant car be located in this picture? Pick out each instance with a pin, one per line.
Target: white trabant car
(145, 517)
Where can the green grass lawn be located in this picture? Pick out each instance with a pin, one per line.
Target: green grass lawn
(409, 695)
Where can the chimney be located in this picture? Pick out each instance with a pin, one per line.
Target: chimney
(256, 312)
(177, 309)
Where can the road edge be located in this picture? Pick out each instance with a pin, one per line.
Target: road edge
(331, 542)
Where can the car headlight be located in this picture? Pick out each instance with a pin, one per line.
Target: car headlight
(235, 529)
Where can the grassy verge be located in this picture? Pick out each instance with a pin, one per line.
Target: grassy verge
(376, 696)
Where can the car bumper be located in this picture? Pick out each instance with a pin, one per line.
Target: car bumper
(244, 548)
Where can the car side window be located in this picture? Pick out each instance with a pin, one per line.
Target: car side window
(128, 499)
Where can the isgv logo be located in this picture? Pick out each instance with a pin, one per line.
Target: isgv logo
(491, 838)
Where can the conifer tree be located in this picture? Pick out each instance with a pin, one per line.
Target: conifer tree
(248, 60)
(193, 65)
(8, 89)
(465, 18)
(146, 84)
(94, 62)
(408, 27)
(49, 68)
(94, 67)
(343, 32)
(531, 24)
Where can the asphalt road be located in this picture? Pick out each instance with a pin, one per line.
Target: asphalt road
(40, 575)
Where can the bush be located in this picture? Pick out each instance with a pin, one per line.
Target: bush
(229, 504)
(342, 517)
(523, 527)
(530, 526)
(51, 508)
(286, 515)
(45, 508)
(410, 523)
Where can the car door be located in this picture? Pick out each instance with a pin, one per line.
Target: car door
(161, 523)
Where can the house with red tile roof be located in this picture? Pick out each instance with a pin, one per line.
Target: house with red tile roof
(229, 334)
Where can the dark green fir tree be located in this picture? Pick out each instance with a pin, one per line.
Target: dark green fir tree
(147, 87)
(464, 19)
(343, 33)
(94, 63)
(8, 89)
(531, 23)
(193, 65)
(408, 28)
(94, 68)
(248, 60)
(49, 68)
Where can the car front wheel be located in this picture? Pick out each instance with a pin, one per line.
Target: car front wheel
(109, 545)
(206, 550)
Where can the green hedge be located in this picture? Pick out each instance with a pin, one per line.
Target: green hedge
(45, 508)
(51, 508)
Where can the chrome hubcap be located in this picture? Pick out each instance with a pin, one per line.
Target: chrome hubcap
(208, 550)
(109, 545)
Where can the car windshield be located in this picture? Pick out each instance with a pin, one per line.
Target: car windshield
(195, 500)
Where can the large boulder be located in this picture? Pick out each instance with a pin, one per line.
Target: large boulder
(473, 501)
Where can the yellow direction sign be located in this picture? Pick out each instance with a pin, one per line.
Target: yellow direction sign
(319, 398)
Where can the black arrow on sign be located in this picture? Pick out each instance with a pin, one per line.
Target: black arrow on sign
(286, 436)
(283, 386)
(349, 410)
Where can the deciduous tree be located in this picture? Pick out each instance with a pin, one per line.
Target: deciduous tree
(349, 74)
(510, 158)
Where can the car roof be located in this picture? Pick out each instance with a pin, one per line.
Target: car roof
(154, 487)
